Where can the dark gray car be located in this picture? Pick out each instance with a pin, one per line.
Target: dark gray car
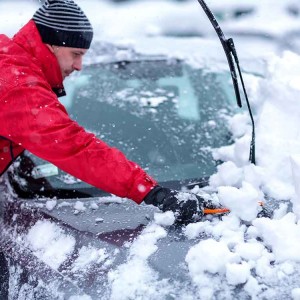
(62, 237)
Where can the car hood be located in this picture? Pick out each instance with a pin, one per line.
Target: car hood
(79, 246)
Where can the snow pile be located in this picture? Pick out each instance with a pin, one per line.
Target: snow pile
(208, 256)
(277, 124)
(48, 242)
(88, 256)
(268, 248)
(135, 279)
(282, 236)
(236, 254)
(81, 297)
(50, 204)
(242, 202)
(164, 219)
(79, 207)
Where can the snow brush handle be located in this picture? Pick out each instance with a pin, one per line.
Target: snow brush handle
(214, 211)
(223, 210)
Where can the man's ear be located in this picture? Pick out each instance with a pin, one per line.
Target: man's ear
(50, 48)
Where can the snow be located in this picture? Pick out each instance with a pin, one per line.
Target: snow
(296, 294)
(81, 297)
(282, 236)
(208, 256)
(164, 219)
(87, 256)
(79, 206)
(48, 241)
(68, 179)
(50, 204)
(237, 273)
(232, 252)
(241, 201)
(135, 279)
(265, 20)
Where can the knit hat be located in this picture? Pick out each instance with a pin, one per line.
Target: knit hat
(63, 23)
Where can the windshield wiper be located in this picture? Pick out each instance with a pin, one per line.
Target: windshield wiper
(232, 57)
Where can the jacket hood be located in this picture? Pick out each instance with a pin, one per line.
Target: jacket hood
(30, 40)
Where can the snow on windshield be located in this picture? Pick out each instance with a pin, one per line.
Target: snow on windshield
(261, 258)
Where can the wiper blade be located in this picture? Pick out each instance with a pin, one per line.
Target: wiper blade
(232, 57)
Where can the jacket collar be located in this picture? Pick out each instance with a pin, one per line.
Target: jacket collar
(30, 40)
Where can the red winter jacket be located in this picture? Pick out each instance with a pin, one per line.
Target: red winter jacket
(32, 118)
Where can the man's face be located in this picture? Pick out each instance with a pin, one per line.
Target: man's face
(69, 59)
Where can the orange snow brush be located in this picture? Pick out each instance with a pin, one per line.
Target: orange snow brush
(222, 210)
(214, 211)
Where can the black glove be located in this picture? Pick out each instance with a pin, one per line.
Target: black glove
(187, 207)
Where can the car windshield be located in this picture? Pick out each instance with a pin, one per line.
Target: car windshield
(165, 115)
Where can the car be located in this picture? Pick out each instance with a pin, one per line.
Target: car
(62, 237)
(163, 17)
(266, 29)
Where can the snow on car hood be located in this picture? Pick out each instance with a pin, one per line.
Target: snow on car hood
(258, 257)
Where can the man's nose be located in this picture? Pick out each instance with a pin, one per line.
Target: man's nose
(77, 64)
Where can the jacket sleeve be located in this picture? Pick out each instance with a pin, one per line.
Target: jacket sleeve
(38, 122)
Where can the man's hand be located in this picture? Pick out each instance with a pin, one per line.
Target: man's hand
(187, 207)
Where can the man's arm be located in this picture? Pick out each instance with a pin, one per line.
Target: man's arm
(37, 121)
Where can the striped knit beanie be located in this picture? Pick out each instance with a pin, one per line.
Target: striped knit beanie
(63, 23)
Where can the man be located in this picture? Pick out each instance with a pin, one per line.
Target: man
(33, 65)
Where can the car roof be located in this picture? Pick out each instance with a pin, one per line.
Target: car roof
(198, 52)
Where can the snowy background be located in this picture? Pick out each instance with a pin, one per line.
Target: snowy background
(263, 257)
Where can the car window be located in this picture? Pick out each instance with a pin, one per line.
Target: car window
(163, 114)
